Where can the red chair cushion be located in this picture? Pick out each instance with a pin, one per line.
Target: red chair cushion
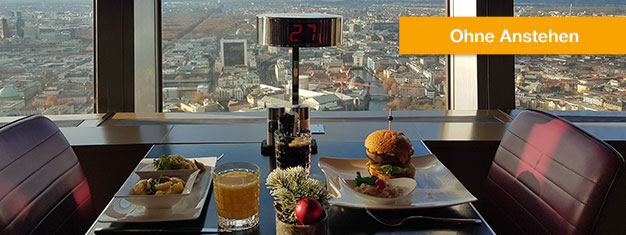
(44, 190)
(550, 177)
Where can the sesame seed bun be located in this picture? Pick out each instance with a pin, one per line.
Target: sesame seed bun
(388, 146)
(389, 153)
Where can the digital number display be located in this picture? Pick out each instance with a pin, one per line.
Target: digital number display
(299, 30)
(303, 33)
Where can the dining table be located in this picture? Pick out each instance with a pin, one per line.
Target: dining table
(341, 220)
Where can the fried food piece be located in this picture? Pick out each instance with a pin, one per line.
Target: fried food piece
(140, 188)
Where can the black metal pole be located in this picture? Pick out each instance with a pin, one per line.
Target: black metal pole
(295, 74)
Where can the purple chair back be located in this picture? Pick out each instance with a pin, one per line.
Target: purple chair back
(550, 177)
(43, 188)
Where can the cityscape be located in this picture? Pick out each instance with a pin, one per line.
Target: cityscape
(212, 63)
(46, 58)
(570, 82)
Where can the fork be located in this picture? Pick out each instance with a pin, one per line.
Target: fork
(443, 219)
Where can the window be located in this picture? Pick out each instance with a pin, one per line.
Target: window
(46, 57)
(570, 82)
(211, 62)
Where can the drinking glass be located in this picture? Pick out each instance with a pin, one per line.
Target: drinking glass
(293, 150)
(237, 188)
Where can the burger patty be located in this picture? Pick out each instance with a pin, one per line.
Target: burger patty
(386, 159)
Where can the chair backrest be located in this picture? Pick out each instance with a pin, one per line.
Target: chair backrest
(43, 188)
(550, 177)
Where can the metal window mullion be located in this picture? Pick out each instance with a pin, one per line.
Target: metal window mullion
(113, 56)
(147, 52)
(463, 79)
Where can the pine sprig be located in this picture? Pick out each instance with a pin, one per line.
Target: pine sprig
(289, 186)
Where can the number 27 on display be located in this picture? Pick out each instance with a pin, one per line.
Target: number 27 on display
(299, 30)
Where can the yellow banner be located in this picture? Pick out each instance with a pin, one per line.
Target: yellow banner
(512, 35)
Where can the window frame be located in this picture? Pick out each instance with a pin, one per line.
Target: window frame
(113, 56)
(496, 73)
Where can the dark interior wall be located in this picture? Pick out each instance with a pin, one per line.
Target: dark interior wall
(107, 167)
(469, 161)
(612, 217)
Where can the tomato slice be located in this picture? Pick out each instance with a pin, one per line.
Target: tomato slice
(380, 184)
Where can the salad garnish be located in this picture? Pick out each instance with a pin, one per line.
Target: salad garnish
(163, 163)
(364, 180)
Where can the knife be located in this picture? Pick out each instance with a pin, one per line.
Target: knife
(158, 230)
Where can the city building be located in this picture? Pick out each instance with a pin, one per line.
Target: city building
(614, 105)
(206, 106)
(19, 27)
(234, 52)
(4, 31)
(329, 102)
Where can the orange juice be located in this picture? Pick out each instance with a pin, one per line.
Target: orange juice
(237, 194)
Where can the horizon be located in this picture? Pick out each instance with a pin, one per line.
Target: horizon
(538, 2)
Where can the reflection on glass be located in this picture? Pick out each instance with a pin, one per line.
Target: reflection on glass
(211, 62)
(570, 82)
(46, 57)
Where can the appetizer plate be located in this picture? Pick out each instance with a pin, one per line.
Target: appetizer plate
(188, 208)
(407, 185)
(154, 201)
(436, 186)
(149, 169)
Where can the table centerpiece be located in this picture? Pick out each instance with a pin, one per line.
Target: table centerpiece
(301, 202)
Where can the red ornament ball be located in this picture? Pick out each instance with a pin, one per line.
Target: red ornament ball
(309, 211)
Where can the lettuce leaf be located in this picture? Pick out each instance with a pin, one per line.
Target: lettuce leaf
(162, 163)
(393, 170)
(364, 180)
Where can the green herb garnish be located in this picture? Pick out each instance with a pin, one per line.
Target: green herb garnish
(162, 163)
(364, 180)
(151, 184)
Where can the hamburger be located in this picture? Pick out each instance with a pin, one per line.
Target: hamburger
(389, 153)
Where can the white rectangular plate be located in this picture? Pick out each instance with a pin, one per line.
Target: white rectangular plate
(120, 210)
(436, 185)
